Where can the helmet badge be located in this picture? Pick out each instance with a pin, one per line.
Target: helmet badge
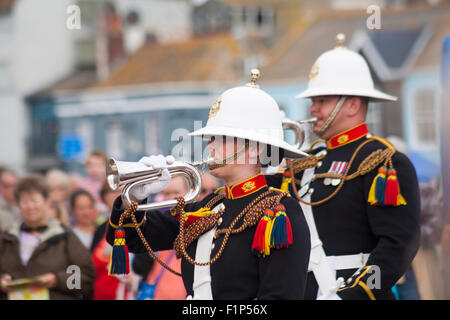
(215, 107)
(254, 76)
(314, 71)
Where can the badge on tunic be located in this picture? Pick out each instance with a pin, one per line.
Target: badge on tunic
(248, 186)
(337, 167)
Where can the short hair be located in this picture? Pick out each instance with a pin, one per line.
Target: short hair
(60, 177)
(31, 182)
(97, 153)
(4, 170)
(79, 193)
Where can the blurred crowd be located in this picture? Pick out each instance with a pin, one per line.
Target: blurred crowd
(51, 222)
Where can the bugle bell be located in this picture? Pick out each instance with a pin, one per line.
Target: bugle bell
(296, 127)
(130, 174)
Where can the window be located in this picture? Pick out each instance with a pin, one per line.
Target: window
(425, 117)
(254, 19)
(152, 136)
(114, 145)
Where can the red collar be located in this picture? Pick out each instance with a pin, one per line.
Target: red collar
(348, 136)
(246, 187)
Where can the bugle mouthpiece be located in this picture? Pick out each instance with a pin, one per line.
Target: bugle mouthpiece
(310, 120)
(207, 161)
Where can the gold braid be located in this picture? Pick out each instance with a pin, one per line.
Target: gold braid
(130, 213)
(367, 165)
(251, 213)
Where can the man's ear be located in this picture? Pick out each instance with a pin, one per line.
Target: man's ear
(353, 106)
(255, 149)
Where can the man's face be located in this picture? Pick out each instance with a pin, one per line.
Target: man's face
(32, 206)
(321, 108)
(221, 148)
(96, 168)
(7, 185)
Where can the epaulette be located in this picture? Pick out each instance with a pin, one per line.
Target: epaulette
(279, 190)
(384, 191)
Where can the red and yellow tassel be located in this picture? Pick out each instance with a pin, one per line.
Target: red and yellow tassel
(273, 231)
(385, 190)
(392, 196)
(261, 240)
(119, 262)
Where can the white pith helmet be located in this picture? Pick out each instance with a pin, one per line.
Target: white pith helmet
(248, 112)
(342, 72)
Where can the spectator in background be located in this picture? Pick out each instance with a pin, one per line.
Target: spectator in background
(42, 248)
(85, 214)
(9, 213)
(161, 284)
(95, 167)
(209, 185)
(58, 183)
(109, 287)
(75, 180)
(406, 287)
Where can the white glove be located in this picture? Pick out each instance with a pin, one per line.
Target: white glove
(143, 191)
(334, 296)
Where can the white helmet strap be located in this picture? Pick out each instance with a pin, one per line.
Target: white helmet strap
(333, 115)
(229, 159)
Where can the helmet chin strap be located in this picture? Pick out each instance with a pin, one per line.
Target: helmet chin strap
(332, 116)
(229, 159)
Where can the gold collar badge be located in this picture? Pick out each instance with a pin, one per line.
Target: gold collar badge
(343, 139)
(249, 186)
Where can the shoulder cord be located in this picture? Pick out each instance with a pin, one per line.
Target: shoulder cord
(370, 163)
(252, 214)
(253, 217)
(130, 213)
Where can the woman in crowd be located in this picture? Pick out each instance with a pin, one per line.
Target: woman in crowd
(42, 249)
(85, 214)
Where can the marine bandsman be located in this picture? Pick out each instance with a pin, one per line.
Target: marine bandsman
(359, 195)
(245, 240)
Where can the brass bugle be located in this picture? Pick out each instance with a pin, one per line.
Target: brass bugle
(296, 127)
(130, 174)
